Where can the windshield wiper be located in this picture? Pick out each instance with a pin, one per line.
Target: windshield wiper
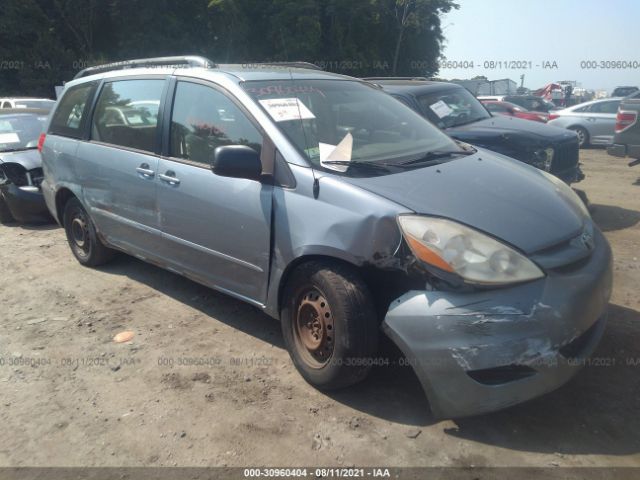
(435, 155)
(468, 122)
(356, 163)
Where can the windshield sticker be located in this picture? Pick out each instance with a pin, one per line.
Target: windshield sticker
(313, 152)
(287, 109)
(9, 138)
(337, 153)
(441, 109)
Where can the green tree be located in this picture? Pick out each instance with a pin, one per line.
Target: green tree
(45, 42)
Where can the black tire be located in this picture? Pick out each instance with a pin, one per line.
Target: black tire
(348, 334)
(583, 136)
(82, 237)
(5, 214)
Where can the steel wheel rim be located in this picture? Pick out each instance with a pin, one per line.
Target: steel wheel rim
(313, 328)
(79, 233)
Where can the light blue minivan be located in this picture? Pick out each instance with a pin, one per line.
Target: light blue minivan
(335, 208)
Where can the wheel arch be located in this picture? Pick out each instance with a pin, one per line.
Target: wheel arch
(314, 257)
(62, 196)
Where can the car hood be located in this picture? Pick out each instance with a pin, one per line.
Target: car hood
(509, 127)
(489, 192)
(29, 159)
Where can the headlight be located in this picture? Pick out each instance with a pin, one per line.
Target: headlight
(568, 194)
(543, 158)
(458, 249)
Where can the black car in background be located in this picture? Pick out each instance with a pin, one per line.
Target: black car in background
(21, 166)
(456, 111)
(624, 91)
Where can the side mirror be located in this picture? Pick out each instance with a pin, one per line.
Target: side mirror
(237, 161)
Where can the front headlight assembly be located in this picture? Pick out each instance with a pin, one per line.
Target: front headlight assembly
(458, 249)
(543, 158)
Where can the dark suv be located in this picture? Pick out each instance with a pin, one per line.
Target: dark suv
(456, 111)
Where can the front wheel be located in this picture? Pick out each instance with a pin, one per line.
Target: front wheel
(82, 237)
(329, 324)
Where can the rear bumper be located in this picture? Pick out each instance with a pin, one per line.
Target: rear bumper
(26, 204)
(621, 151)
(484, 351)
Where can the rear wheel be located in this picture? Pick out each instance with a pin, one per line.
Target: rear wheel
(329, 324)
(82, 237)
(5, 213)
(583, 136)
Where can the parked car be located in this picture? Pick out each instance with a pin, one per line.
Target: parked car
(512, 110)
(624, 91)
(20, 166)
(626, 142)
(26, 102)
(594, 122)
(459, 114)
(530, 102)
(331, 206)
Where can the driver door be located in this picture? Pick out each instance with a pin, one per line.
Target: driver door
(215, 229)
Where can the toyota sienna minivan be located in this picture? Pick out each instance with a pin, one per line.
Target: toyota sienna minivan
(338, 210)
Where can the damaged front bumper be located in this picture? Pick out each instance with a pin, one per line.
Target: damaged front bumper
(484, 351)
(26, 203)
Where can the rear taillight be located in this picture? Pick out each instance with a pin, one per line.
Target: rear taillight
(624, 120)
(43, 136)
(553, 116)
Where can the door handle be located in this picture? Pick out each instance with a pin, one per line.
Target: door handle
(145, 171)
(170, 178)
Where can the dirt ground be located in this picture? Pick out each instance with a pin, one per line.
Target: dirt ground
(206, 380)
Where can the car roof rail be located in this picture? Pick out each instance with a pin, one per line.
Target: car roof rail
(422, 79)
(189, 61)
(308, 65)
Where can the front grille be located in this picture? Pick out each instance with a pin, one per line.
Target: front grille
(565, 157)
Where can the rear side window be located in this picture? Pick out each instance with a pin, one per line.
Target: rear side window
(70, 116)
(127, 114)
(203, 119)
(605, 107)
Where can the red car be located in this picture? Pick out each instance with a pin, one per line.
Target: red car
(513, 110)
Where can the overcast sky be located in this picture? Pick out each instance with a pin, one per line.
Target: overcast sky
(563, 31)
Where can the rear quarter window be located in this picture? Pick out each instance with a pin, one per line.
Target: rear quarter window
(70, 116)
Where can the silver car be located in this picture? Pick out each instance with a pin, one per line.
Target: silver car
(338, 210)
(594, 121)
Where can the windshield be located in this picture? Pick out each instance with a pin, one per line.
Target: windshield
(43, 104)
(20, 132)
(346, 121)
(452, 107)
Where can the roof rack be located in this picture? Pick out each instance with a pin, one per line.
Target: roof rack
(307, 65)
(190, 61)
(396, 78)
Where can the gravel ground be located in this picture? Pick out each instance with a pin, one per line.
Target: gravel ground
(206, 380)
